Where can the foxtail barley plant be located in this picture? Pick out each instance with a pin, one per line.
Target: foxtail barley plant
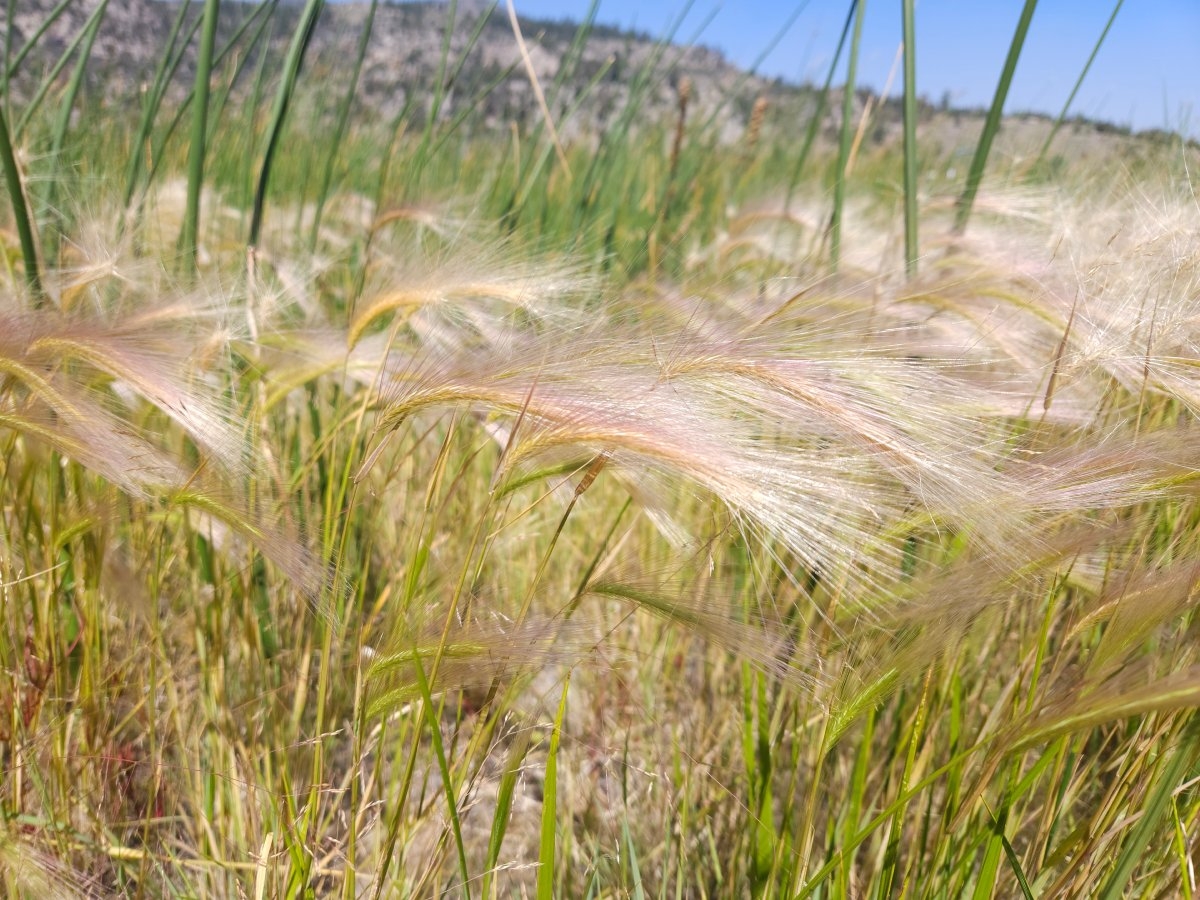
(389, 514)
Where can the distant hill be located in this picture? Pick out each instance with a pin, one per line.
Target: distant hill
(404, 55)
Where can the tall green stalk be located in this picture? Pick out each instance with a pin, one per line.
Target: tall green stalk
(16, 193)
(204, 66)
(167, 66)
(992, 125)
(814, 123)
(736, 86)
(910, 139)
(33, 39)
(63, 124)
(437, 95)
(452, 127)
(260, 17)
(283, 98)
(1078, 83)
(343, 121)
(86, 35)
(847, 135)
(9, 13)
(1179, 768)
(546, 841)
(609, 157)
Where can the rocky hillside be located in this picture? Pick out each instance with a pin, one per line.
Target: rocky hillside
(402, 60)
(588, 87)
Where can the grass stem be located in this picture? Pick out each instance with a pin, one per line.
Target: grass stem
(911, 249)
(991, 125)
(190, 235)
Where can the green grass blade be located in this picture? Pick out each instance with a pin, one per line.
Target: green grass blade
(248, 176)
(610, 159)
(910, 139)
(574, 54)
(63, 123)
(813, 884)
(856, 793)
(847, 134)
(985, 884)
(16, 193)
(477, 31)
(765, 837)
(434, 729)
(291, 71)
(9, 33)
(1180, 845)
(1134, 851)
(431, 141)
(915, 736)
(260, 16)
(469, 108)
(437, 94)
(734, 89)
(504, 798)
(814, 123)
(189, 237)
(545, 875)
(86, 35)
(1078, 83)
(635, 870)
(343, 120)
(51, 17)
(992, 124)
(1014, 862)
(168, 64)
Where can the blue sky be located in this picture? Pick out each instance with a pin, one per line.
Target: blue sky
(1147, 73)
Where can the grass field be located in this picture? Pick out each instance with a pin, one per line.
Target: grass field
(402, 510)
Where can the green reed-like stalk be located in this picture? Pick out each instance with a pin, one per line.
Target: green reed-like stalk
(10, 32)
(437, 94)
(260, 16)
(1180, 767)
(14, 66)
(20, 208)
(189, 237)
(454, 126)
(1062, 115)
(606, 163)
(85, 35)
(67, 105)
(533, 164)
(291, 72)
(844, 139)
(343, 120)
(814, 123)
(991, 125)
(549, 829)
(911, 250)
(768, 48)
(168, 64)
